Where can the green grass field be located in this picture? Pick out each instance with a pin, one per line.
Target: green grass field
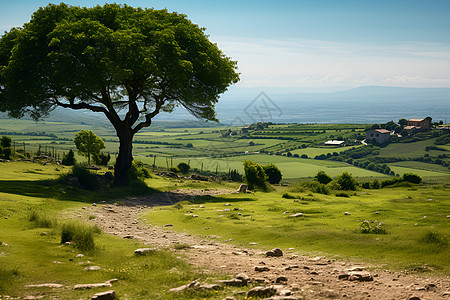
(409, 215)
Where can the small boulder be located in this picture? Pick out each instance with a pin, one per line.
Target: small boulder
(108, 295)
(261, 292)
(281, 279)
(275, 252)
(296, 215)
(242, 188)
(261, 269)
(92, 268)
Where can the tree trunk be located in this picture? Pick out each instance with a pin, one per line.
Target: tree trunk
(124, 159)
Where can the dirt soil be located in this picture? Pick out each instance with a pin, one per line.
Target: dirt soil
(307, 277)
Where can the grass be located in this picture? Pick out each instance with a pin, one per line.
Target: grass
(407, 215)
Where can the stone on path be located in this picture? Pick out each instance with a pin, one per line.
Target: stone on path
(296, 215)
(108, 295)
(89, 286)
(261, 292)
(356, 276)
(261, 269)
(92, 268)
(275, 252)
(182, 288)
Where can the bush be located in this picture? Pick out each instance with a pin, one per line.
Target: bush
(68, 159)
(368, 227)
(235, 176)
(304, 156)
(323, 177)
(86, 179)
(346, 182)
(435, 238)
(255, 176)
(40, 220)
(6, 152)
(184, 167)
(317, 187)
(101, 158)
(413, 178)
(5, 141)
(138, 171)
(288, 196)
(342, 194)
(273, 173)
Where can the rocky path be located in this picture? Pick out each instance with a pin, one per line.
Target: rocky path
(309, 277)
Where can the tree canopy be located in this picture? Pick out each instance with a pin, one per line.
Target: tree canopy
(88, 143)
(127, 63)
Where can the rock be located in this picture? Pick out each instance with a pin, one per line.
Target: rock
(144, 251)
(261, 292)
(79, 255)
(242, 188)
(168, 225)
(233, 282)
(347, 213)
(296, 215)
(89, 286)
(261, 269)
(275, 252)
(414, 298)
(356, 276)
(209, 287)
(199, 177)
(129, 237)
(108, 295)
(328, 293)
(243, 277)
(92, 268)
(182, 288)
(281, 279)
(45, 285)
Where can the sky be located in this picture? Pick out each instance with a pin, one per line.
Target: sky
(312, 44)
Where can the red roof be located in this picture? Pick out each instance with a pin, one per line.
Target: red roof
(382, 130)
(416, 120)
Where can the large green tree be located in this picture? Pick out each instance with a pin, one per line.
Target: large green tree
(128, 63)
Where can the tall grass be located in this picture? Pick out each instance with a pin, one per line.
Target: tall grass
(80, 235)
(41, 220)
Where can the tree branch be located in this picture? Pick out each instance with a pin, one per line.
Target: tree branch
(149, 117)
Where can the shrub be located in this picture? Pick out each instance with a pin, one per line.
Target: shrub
(189, 145)
(323, 177)
(6, 152)
(255, 176)
(347, 182)
(435, 238)
(317, 187)
(138, 171)
(101, 158)
(86, 179)
(342, 194)
(183, 167)
(288, 196)
(5, 141)
(304, 156)
(368, 227)
(273, 173)
(413, 178)
(68, 159)
(235, 176)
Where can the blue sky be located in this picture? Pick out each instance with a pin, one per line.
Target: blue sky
(315, 44)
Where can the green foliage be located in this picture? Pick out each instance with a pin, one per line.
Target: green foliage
(235, 176)
(6, 152)
(413, 178)
(288, 196)
(372, 227)
(88, 143)
(138, 171)
(273, 173)
(101, 158)
(183, 167)
(342, 194)
(346, 182)
(323, 177)
(255, 176)
(69, 159)
(80, 235)
(5, 141)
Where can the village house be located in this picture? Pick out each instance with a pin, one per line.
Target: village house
(379, 136)
(420, 124)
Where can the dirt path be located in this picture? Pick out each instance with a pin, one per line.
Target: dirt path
(315, 278)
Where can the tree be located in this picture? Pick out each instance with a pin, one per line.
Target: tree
(403, 122)
(323, 177)
(273, 173)
(128, 63)
(347, 182)
(184, 167)
(255, 175)
(88, 143)
(5, 141)
(69, 159)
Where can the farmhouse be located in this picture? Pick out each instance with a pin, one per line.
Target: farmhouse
(379, 136)
(422, 124)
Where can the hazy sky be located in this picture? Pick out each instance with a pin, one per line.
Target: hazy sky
(314, 43)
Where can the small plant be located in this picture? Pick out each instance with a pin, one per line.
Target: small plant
(342, 194)
(86, 179)
(120, 203)
(369, 227)
(178, 206)
(91, 217)
(68, 159)
(434, 238)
